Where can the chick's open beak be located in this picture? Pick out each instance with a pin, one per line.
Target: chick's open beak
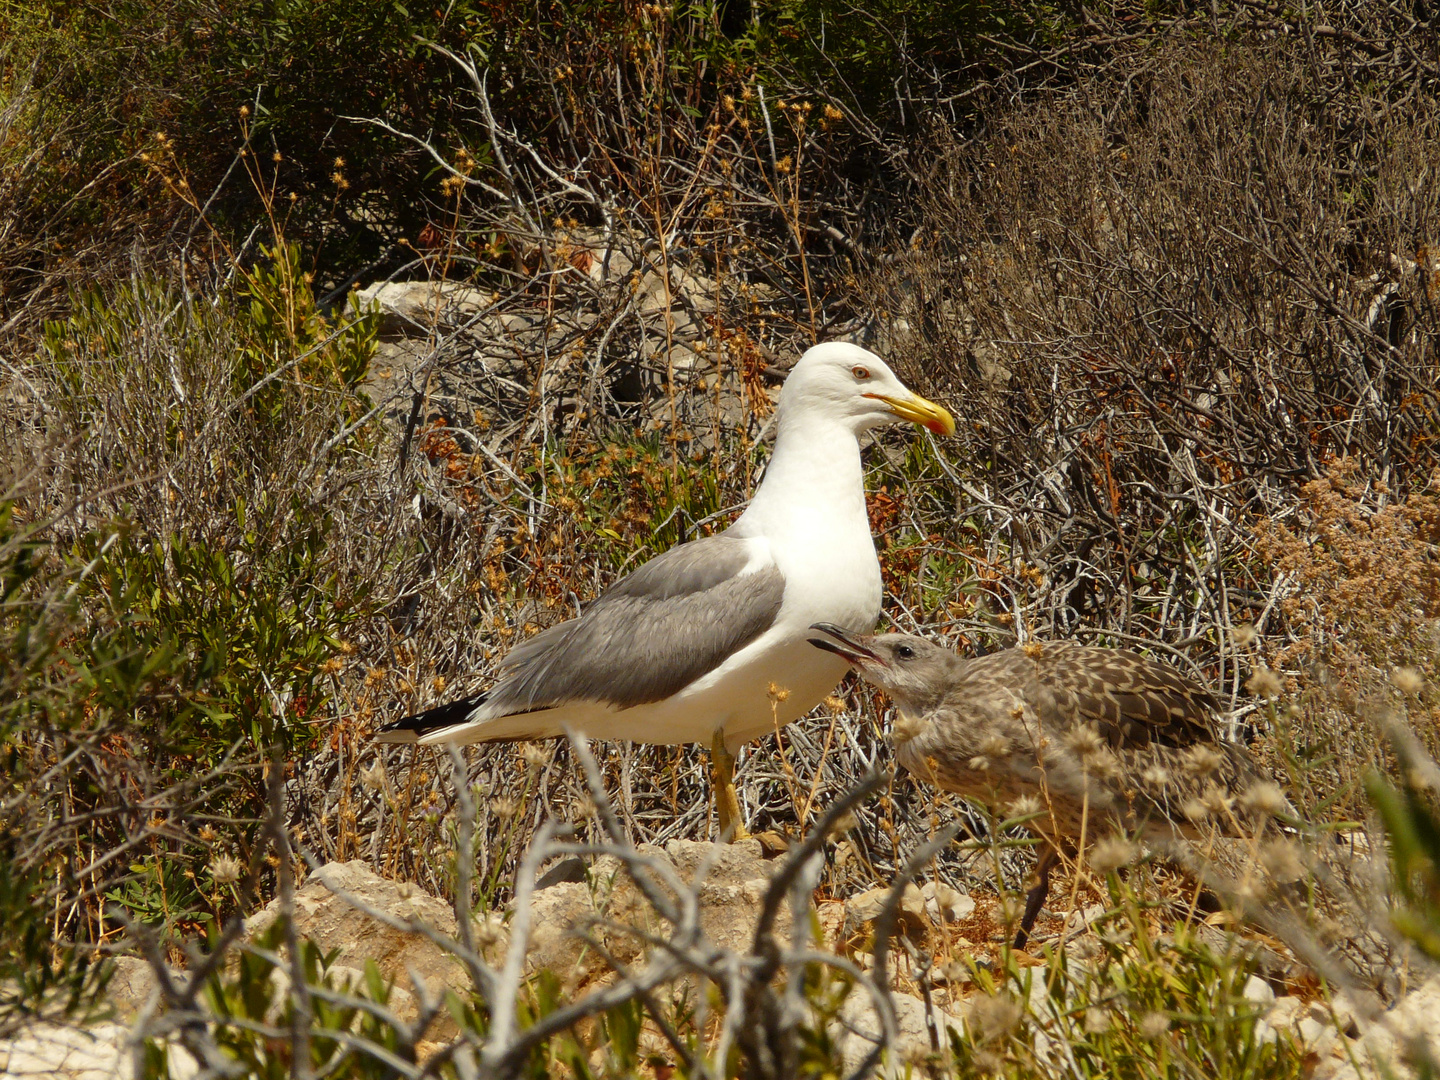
(920, 411)
(852, 652)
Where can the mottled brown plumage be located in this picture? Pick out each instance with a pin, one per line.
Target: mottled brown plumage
(1083, 738)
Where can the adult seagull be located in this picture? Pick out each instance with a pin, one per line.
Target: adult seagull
(694, 645)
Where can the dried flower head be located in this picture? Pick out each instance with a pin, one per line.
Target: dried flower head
(225, 870)
(777, 693)
(1202, 760)
(1216, 801)
(955, 973)
(1024, 806)
(1407, 680)
(996, 746)
(1085, 741)
(1265, 683)
(995, 1016)
(1097, 1020)
(504, 807)
(489, 931)
(905, 728)
(1264, 797)
(1283, 861)
(1156, 776)
(1195, 810)
(1112, 853)
(1154, 1024)
(1033, 649)
(333, 666)
(373, 778)
(535, 757)
(1244, 636)
(1103, 765)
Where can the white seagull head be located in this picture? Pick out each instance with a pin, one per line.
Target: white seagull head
(853, 384)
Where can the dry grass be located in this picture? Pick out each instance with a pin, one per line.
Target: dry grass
(1181, 302)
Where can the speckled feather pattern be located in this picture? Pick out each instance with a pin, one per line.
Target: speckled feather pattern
(1084, 731)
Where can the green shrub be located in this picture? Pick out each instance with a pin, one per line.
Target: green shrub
(285, 332)
(40, 975)
(241, 633)
(892, 59)
(1149, 1005)
(117, 75)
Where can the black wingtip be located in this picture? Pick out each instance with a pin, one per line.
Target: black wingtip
(413, 728)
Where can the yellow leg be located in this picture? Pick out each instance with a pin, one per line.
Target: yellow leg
(727, 803)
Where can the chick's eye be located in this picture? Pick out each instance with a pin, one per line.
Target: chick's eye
(904, 652)
(860, 372)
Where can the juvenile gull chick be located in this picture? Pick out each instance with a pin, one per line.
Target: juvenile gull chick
(1080, 735)
(689, 647)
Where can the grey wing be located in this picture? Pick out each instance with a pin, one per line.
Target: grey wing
(650, 635)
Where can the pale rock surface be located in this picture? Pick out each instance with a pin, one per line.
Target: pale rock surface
(445, 341)
(733, 880)
(944, 904)
(410, 308)
(98, 1052)
(133, 987)
(1258, 992)
(911, 918)
(856, 1029)
(1391, 1046)
(326, 917)
(94, 1053)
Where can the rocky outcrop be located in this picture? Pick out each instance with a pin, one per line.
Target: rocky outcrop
(731, 879)
(856, 1030)
(415, 308)
(1400, 1044)
(638, 327)
(346, 909)
(62, 1052)
(336, 908)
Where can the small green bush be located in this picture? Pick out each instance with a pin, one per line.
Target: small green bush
(243, 633)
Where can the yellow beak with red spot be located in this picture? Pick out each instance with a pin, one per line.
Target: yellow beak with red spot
(918, 410)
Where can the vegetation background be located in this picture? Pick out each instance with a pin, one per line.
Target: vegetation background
(1173, 268)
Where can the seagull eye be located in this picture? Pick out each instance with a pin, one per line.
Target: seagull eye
(904, 652)
(860, 372)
